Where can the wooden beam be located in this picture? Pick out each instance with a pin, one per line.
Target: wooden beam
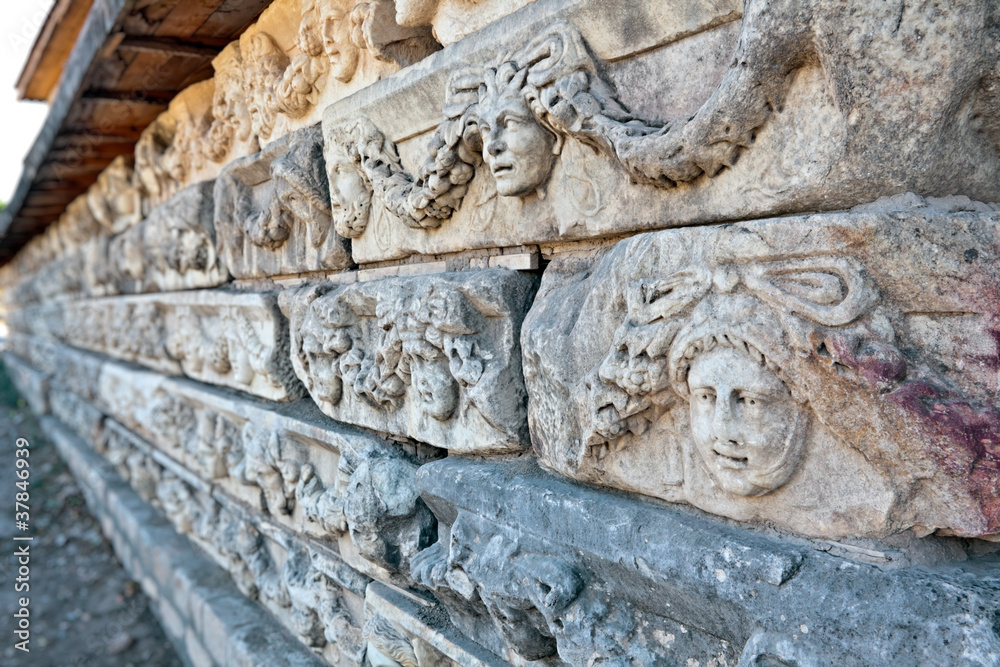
(206, 48)
(157, 97)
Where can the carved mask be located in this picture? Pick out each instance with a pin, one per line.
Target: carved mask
(747, 427)
(518, 150)
(350, 198)
(337, 44)
(431, 379)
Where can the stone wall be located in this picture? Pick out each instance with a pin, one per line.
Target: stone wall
(564, 332)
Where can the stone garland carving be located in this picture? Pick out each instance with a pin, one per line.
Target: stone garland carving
(778, 40)
(170, 153)
(174, 248)
(319, 612)
(262, 465)
(390, 646)
(434, 358)
(778, 372)
(272, 211)
(331, 485)
(375, 500)
(312, 603)
(552, 89)
(513, 115)
(232, 540)
(329, 43)
(233, 340)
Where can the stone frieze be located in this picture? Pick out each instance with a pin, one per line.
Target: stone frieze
(546, 142)
(831, 375)
(433, 358)
(272, 211)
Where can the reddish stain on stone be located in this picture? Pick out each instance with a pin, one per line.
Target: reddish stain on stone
(967, 438)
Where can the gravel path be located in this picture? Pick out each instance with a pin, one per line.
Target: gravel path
(84, 608)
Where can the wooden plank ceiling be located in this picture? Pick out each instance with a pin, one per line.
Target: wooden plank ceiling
(131, 57)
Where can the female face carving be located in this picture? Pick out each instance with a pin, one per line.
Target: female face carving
(749, 430)
(435, 388)
(517, 149)
(348, 191)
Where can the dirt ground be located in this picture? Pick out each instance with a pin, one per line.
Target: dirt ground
(84, 608)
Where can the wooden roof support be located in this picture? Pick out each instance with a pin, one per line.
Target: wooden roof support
(208, 48)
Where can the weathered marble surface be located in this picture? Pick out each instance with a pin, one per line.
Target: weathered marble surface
(533, 566)
(272, 211)
(831, 375)
(232, 339)
(169, 154)
(320, 479)
(451, 20)
(790, 123)
(174, 248)
(195, 599)
(435, 358)
(302, 55)
(313, 593)
(401, 629)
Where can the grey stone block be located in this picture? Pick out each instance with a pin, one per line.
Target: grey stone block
(581, 573)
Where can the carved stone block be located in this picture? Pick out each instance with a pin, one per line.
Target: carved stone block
(174, 248)
(272, 211)
(590, 577)
(320, 479)
(831, 375)
(401, 631)
(302, 55)
(769, 131)
(77, 414)
(232, 339)
(170, 153)
(435, 358)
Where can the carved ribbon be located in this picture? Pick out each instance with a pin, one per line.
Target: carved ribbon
(831, 291)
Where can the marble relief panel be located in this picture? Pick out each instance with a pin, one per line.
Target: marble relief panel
(788, 371)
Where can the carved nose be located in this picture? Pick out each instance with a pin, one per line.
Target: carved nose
(495, 145)
(724, 423)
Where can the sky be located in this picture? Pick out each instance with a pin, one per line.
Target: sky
(20, 122)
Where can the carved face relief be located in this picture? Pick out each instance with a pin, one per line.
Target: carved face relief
(518, 150)
(749, 430)
(322, 353)
(189, 250)
(291, 201)
(350, 198)
(337, 45)
(432, 381)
